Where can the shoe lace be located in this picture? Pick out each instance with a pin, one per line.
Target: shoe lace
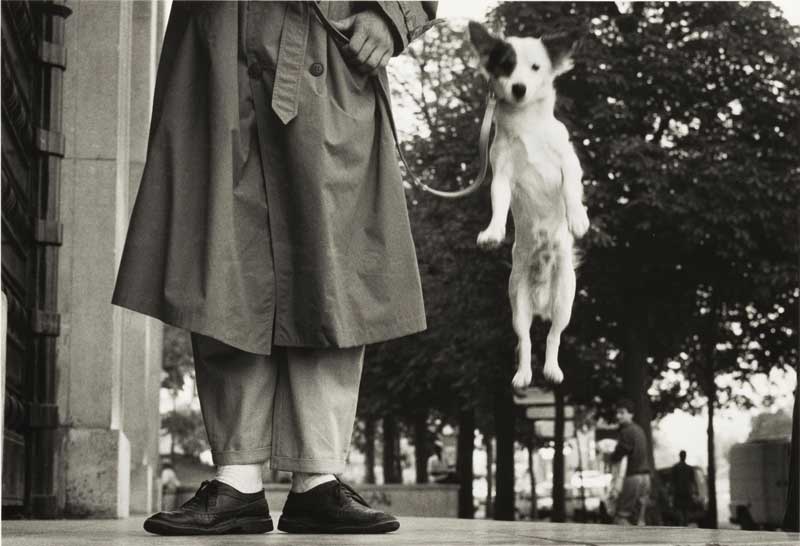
(200, 500)
(347, 491)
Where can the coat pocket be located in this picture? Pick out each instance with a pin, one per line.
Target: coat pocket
(337, 171)
(352, 93)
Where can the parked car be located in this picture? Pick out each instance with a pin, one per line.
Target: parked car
(595, 489)
(759, 478)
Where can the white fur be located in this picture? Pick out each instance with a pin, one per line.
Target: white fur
(537, 176)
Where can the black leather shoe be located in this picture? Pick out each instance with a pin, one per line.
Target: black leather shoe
(216, 509)
(333, 507)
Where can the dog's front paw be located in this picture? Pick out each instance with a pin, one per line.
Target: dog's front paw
(491, 238)
(553, 373)
(522, 379)
(578, 221)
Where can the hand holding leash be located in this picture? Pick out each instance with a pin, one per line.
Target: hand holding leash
(337, 31)
(371, 44)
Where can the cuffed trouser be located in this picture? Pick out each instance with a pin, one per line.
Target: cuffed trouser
(294, 408)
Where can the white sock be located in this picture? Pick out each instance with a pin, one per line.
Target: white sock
(302, 481)
(246, 478)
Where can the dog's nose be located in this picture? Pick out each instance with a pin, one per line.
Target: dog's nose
(518, 90)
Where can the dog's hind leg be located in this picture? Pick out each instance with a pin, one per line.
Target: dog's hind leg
(563, 294)
(519, 292)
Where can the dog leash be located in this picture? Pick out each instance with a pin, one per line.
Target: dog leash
(483, 140)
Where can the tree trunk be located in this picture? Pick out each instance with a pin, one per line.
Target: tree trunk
(636, 377)
(466, 446)
(390, 451)
(172, 434)
(791, 520)
(369, 450)
(712, 463)
(398, 461)
(421, 446)
(710, 388)
(487, 441)
(559, 501)
(532, 470)
(504, 427)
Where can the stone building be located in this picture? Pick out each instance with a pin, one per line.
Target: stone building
(81, 377)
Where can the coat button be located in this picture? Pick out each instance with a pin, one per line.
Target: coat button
(316, 69)
(254, 70)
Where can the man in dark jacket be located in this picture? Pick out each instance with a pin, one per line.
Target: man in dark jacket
(632, 443)
(271, 223)
(684, 488)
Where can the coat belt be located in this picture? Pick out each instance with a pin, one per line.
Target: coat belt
(291, 57)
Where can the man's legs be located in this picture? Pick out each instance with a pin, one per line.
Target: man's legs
(633, 500)
(643, 497)
(236, 390)
(315, 409)
(681, 513)
(295, 408)
(627, 502)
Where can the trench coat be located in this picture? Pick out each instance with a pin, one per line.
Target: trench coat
(258, 230)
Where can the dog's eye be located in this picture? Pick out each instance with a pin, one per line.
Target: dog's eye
(534, 67)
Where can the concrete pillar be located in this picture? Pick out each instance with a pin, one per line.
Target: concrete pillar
(143, 341)
(109, 359)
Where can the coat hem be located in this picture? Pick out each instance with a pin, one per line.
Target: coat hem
(191, 323)
(344, 339)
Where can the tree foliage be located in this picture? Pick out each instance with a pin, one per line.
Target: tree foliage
(685, 117)
(187, 431)
(177, 362)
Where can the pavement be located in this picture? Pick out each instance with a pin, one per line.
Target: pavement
(416, 531)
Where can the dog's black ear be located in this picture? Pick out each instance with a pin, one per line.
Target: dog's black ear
(560, 46)
(483, 41)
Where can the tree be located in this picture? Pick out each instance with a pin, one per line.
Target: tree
(695, 129)
(187, 431)
(685, 118)
(177, 365)
(177, 362)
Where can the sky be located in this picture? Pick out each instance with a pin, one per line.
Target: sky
(476, 9)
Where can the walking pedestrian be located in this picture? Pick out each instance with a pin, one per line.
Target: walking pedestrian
(631, 504)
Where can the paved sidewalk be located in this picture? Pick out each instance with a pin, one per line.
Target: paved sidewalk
(416, 531)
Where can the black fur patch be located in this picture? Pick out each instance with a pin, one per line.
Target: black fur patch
(561, 43)
(502, 60)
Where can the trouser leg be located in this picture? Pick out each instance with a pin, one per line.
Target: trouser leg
(236, 391)
(626, 501)
(315, 408)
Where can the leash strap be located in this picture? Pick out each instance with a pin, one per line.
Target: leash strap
(483, 141)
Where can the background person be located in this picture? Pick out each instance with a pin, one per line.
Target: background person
(632, 501)
(684, 488)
